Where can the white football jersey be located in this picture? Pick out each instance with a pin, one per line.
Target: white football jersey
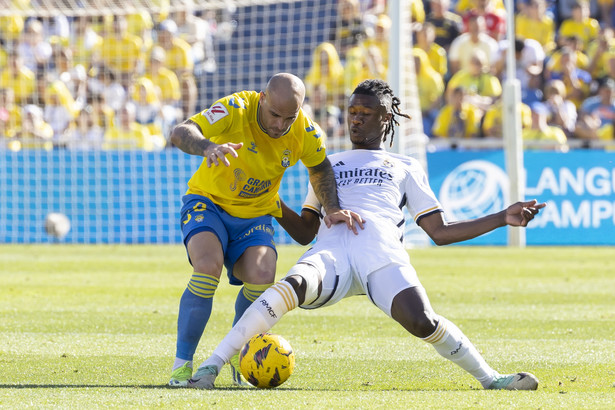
(377, 185)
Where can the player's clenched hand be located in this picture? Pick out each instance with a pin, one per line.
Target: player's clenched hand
(521, 213)
(217, 153)
(350, 218)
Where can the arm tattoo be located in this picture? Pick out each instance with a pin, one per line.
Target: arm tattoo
(322, 179)
(187, 136)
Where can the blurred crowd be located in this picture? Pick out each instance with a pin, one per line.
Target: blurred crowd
(565, 63)
(122, 81)
(100, 80)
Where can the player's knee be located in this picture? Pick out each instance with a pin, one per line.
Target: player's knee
(419, 324)
(259, 275)
(424, 323)
(299, 285)
(416, 318)
(207, 266)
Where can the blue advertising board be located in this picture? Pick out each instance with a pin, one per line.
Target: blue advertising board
(134, 197)
(578, 187)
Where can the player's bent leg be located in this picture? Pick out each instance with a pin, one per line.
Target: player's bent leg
(261, 316)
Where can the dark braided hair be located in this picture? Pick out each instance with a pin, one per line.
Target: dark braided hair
(385, 94)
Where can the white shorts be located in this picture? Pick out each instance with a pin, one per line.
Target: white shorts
(342, 265)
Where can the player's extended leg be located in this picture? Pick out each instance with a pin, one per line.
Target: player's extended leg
(411, 308)
(196, 302)
(261, 316)
(265, 312)
(256, 269)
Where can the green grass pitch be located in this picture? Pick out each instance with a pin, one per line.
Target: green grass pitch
(94, 327)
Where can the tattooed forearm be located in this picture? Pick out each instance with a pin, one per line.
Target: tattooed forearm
(187, 136)
(322, 179)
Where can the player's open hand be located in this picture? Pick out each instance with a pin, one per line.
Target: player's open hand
(521, 213)
(217, 153)
(350, 218)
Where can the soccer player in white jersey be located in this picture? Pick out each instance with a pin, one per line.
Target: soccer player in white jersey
(376, 184)
(248, 139)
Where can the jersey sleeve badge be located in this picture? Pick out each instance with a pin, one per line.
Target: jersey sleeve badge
(215, 113)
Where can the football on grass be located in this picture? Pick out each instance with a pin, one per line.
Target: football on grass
(266, 360)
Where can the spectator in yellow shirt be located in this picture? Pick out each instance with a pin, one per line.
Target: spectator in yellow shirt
(580, 24)
(146, 98)
(140, 24)
(19, 78)
(542, 135)
(326, 70)
(179, 60)
(425, 40)
(11, 27)
(533, 23)
(458, 118)
(168, 88)
(380, 37)
(577, 80)
(127, 133)
(121, 51)
(492, 124)
(10, 117)
(362, 64)
(35, 133)
(85, 41)
(430, 88)
(481, 87)
(562, 111)
(601, 53)
(165, 79)
(570, 43)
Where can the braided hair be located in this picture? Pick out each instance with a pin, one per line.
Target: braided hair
(385, 94)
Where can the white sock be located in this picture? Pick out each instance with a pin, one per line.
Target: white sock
(451, 343)
(262, 314)
(180, 362)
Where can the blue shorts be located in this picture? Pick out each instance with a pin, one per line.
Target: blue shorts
(199, 214)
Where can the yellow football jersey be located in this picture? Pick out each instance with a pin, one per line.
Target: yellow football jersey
(249, 187)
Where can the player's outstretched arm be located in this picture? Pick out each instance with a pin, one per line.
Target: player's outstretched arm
(444, 233)
(322, 179)
(188, 137)
(302, 228)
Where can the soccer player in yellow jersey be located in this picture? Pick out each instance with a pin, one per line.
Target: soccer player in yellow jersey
(248, 139)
